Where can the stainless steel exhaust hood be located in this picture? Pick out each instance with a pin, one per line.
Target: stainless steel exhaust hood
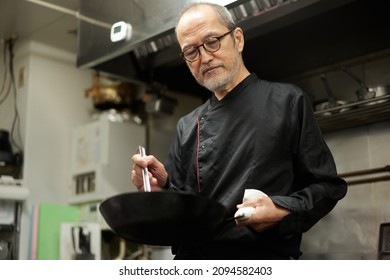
(151, 22)
(282, 37)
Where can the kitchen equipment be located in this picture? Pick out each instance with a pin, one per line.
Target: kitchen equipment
(332, 102)
(99, 161)
(82, 244)
(109, 93)
(363, 92)
(380, 94)
(162, 217)
(10, 163)
(80, 240)
(4, 249)
(380, 89)
(384, 242)
(6, 155)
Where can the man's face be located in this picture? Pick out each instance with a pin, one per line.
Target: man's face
(216, 71)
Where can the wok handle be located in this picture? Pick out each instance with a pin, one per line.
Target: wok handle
(328, 89)
(354, 77)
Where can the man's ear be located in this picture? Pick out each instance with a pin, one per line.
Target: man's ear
(238, 34)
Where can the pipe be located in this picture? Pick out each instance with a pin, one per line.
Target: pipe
(122, 250)
(71, 12)
(368, 180)
(366, 172)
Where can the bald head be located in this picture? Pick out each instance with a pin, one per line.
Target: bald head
(212, 45)
(220, 12)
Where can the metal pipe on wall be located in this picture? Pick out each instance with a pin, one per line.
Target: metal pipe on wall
(367, 172)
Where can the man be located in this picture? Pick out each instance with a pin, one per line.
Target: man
(251, 134)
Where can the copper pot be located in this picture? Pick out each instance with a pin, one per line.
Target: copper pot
(108, 93)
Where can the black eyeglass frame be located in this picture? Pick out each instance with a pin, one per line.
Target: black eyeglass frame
(219, 38)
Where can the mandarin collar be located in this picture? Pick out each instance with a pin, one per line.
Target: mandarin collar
(235, 91)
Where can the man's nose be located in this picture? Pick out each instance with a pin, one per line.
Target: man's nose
(205, 56)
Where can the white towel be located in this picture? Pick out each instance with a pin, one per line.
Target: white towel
(246, 212)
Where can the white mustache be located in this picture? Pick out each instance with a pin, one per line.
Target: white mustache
(210, 67)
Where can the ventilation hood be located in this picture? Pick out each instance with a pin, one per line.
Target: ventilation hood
(282, 37)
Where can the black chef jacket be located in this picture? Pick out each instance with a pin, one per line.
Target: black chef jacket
(264, 136)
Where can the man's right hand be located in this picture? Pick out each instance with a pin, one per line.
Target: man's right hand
(158, 176)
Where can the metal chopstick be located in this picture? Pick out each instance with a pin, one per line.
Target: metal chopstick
(145, 175)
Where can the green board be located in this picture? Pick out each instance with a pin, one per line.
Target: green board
(50, 218)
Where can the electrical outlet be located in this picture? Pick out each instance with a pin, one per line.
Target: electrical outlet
(22, 76)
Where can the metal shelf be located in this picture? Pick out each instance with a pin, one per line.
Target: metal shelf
(354, 114)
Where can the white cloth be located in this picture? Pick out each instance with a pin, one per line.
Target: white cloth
(246, 212)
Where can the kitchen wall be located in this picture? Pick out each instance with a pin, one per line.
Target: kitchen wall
(55, 105)
(351, 230)
(50, 102)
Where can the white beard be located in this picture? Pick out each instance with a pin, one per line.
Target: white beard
(219, 83)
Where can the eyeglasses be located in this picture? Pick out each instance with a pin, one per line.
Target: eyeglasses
(211, 44)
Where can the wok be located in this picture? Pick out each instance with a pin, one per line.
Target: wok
(162, 218)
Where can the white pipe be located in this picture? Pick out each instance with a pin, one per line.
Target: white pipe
(71, 12)
(122, 250)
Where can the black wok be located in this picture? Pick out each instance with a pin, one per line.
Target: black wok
(162, 218)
